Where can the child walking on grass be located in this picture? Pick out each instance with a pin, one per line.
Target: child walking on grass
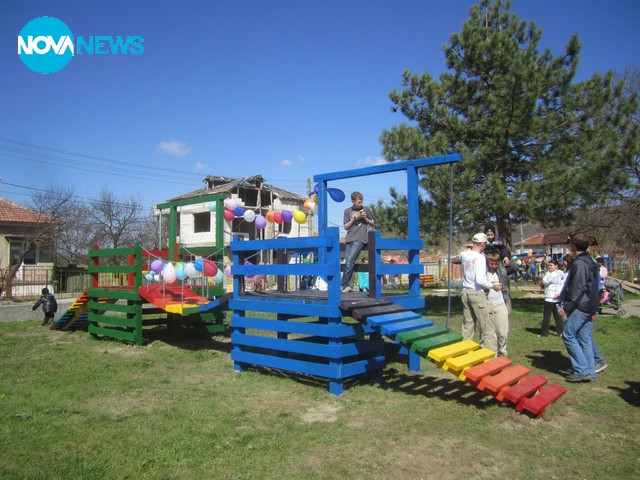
(49, 306)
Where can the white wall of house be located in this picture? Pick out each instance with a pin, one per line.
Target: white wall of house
(189, 238)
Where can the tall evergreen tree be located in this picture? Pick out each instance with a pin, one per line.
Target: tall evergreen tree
(536, 144)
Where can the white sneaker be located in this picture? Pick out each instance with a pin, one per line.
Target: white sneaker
(347, 289)
(601, 367)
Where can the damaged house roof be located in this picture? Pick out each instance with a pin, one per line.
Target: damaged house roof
(219, 184)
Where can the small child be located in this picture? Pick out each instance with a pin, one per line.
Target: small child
(49, 306)
(499, 315)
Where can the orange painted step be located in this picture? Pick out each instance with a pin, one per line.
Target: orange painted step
(508, 376)
(522, 389)
(491, 367)
(538, 403)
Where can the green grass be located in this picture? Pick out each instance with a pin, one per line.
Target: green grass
(75, 408)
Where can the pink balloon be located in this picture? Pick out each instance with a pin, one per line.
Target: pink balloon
(277, 217)
(227, 271)
(229, 215)
(209, 268)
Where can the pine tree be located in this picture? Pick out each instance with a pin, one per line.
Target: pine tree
(536, 144)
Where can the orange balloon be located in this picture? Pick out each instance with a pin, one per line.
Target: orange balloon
(270, 216)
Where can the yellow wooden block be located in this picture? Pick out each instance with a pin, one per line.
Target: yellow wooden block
(439, 355)
(458, 365)
(174, 308)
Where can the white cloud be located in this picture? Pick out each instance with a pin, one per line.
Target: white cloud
(200, 166)
(371, 161)
(175, 148)
(286, 163)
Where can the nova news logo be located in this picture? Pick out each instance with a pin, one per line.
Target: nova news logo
(46, 45)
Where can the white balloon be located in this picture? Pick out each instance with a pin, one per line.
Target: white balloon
(249, 215)
(169, 273)
(190, 268)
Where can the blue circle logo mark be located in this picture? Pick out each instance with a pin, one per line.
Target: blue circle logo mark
(45, 45)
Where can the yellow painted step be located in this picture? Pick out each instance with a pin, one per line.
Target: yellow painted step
(440, 355)
(458, 365)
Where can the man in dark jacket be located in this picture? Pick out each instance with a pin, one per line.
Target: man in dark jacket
(580, 300)
(49, 306)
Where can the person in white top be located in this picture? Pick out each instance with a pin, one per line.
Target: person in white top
(475, 305)
(498, 327)
(552, 281)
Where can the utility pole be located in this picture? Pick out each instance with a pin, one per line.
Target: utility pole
(310, 214)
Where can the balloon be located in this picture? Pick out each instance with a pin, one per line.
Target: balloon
(181, 272)
(247, 262)
(315, 188)
(227, 271)
(198, 264)
(277, 217)
(336, 194)
(230, 203)
(299, 216)
(229, 215)
(210, 268)
(270, 215)
(149, 277)
(157, 278)
(249, 216)
(212, 206)
(308, 204)
(286, 215)
(239, 212)
(157, 265)
(169, 273)
(261, 222)
(190, 270)
(219, 277)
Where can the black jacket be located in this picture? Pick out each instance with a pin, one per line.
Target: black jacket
(48, 302)
(580, 289)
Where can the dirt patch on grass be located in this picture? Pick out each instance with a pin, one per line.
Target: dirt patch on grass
(324, 413)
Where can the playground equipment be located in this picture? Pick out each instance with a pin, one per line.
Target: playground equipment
(337, 336)
(122, 312)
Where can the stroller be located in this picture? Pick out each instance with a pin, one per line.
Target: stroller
(612, 295)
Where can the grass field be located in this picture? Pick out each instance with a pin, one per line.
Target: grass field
(75, 408)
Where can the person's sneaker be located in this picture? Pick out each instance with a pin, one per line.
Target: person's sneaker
(601, 367)
(575, 378)
(347, 289)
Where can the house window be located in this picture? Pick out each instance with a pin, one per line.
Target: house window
(30, 258)
(201, 222)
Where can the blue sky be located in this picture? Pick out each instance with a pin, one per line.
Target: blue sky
(285, 89)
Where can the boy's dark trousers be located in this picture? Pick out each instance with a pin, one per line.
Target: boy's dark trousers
(47, 317)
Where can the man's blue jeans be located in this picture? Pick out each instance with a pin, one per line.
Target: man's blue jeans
(351, 252)
(577, 337)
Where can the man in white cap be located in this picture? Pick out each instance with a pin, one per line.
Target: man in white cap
(474, 290)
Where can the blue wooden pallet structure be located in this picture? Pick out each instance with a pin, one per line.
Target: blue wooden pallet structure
(310, 333)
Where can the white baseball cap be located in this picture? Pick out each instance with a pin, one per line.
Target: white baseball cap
(479, 238)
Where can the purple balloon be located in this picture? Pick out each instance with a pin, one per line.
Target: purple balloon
(157, 265)
(261, 222)
(287, 215)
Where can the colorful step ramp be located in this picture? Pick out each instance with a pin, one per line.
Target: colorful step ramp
(510, 384)
(178, 299)
(75, 317)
